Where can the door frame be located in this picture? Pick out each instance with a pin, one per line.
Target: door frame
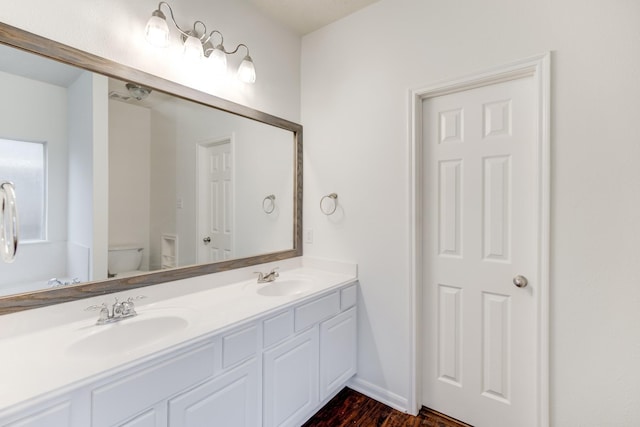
(200, 147)
(538, 67)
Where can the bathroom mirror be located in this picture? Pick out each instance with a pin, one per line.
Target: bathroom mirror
(134, 180)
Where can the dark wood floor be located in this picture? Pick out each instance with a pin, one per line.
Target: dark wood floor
(350, 408)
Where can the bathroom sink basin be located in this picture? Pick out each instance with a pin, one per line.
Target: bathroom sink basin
(127, 335)
(285, 287)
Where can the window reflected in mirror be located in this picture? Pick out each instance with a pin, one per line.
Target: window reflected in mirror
(23, 163)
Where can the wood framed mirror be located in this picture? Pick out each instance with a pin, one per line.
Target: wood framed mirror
(106, 203)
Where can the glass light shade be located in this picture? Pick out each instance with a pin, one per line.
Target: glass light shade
(157, 31)
(193, 49)
(218, 61)
(247, 71)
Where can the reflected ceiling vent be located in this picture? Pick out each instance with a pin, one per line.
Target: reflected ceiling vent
(134, 93)
(118, 96)
(138, 92)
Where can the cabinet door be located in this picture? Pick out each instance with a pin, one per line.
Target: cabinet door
(290, 389)
(232, 399)
(152, 418)
(338, 357)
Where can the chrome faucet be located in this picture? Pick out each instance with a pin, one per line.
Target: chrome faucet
(54, 283)
(119, 310)
(269, 277)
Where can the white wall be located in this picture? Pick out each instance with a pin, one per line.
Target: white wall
(264, 162)
(114, 30)
(129, 177)
(88, 174)
(163, 180)
(357, 75)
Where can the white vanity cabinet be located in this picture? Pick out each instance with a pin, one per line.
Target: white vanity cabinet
(274, 370)
(313, 357)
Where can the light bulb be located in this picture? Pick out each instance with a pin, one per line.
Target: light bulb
(193, 49)
(157, 30)
(247, 71)
(218, 61)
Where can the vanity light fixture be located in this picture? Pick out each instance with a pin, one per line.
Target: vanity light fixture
(198, 45)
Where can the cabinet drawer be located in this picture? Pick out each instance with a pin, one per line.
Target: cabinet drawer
(128, 396)
(277, 328)
(348, 297)
(238, 346)
(315, 311)
(58, 415)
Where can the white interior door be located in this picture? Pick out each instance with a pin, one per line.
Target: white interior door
(215, 202)
(481, 226)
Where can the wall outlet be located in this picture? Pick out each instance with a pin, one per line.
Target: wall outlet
(308, 235)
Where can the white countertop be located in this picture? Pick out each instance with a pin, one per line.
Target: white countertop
(36, 353)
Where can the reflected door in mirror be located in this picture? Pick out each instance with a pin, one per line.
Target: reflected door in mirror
(215, 201)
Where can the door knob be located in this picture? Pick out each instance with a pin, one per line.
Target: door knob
(520, 281)
(207, 240)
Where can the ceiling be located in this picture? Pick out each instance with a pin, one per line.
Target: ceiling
(305, 16)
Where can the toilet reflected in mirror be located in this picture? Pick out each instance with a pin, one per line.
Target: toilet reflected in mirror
(125, 261)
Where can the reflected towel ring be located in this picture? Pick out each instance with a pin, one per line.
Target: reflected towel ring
(8, 213)
(272, 205)
(330, 211)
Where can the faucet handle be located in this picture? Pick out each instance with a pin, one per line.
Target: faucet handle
(53, 282)
(104, 312)
(96, 307)
(128, 307)
(117, 307)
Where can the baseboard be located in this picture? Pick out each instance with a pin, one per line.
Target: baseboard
(378, 393)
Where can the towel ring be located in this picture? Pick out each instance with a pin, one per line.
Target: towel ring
(265, 208)
(334, 198)
(8, 211)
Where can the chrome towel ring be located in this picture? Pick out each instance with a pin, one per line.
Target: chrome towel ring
(269, 204)
(8, 214)
(329, 204)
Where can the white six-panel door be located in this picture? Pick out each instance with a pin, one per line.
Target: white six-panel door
(215, 202)
(480, 231)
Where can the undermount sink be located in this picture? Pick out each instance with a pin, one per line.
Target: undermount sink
(285, 287)
(127, 335)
